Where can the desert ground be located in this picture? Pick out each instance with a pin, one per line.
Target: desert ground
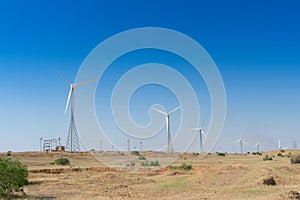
(232, 176)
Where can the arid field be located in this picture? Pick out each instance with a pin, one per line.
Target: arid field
(213, 177)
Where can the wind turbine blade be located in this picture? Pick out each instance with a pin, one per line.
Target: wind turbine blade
(202, 125)
(167, 124)
(67, 104)
(61, 75)
(237, 141)
(255, 145)
(174, 110)
(86, 82)
(194, 129)
(244, 142)
(203, 133)
(157, 110)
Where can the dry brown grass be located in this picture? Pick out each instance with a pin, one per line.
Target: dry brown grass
(214, 177)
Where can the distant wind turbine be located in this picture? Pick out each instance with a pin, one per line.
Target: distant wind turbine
(281, 147)
(168, 123)
(201, 134)
(257, 145)
(241, 141)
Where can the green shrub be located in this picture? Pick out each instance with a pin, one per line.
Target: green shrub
(173, 167)
(154, 163)
(135, 153)
(221, 154)
(256, 153)
(13, 176)
(145, 164)
(186, 167)
(267, 157)
(295, 159)
(132, 164)
(280, 155)
(62, 161)
(141, 157)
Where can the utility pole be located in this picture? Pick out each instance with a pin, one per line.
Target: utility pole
(294, 144)
(41, 144)
(128, 145)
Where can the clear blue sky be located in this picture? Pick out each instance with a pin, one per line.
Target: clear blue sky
(255, 44)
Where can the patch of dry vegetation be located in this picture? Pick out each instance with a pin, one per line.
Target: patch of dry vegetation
(214, 177)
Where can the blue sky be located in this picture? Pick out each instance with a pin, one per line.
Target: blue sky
(255, 44)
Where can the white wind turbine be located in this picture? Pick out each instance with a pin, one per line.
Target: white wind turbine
(281, 147)
(201, 134)
(72, 139)
(168, 123)
(241, 141)
(257, 145)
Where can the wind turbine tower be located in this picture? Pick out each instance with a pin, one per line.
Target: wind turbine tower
(72, 139)
(258, 146)
(241, 141)
(201, 134)
(128, 145)
(168, 125)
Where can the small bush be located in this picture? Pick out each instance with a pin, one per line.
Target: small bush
(132, 164)
(221, 154)
(295, 159)
(280, 155)
(135, 153)
(269, 181)
(267, 157)
(9, 153)
(173, 167)
(154, 163)
(141, 157)
(256, 153)
(187, 167)
(62, 161)
(13, 176)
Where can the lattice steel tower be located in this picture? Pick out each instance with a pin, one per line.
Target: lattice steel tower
(72, 139)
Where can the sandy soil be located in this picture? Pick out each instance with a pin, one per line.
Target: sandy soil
(214, 177)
